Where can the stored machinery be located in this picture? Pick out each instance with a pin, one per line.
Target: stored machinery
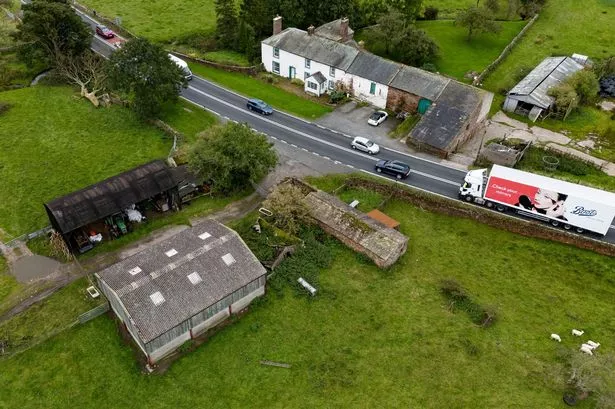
(560, 203)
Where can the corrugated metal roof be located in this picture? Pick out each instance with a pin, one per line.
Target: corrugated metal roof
(550, 72)
(419, 82)
(314, 47)
(170, 277)
(110, 196)
(373, 68)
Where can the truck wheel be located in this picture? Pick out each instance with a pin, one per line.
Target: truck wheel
(398, 176)
(567, 227)
(579, 230)
(378, 170)
(554, 223)
(489, 205)
(500, 208)
(468, 198)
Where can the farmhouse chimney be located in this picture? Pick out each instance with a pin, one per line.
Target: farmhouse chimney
(277, 25)
(311, 30)
(344, 29)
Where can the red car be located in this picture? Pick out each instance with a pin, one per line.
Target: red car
(104, 32)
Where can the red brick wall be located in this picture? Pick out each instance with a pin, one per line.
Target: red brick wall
(398, 100)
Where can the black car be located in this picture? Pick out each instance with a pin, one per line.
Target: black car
(259, 106)
(393, 167)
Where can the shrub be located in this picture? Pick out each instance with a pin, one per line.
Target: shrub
(585, 84)
(270, 78)
(459, 299)
(297, 81)
(336, 96)
(429, 67)
(565, 97)
(430, 13)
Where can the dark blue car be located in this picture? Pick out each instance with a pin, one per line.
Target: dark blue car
(394, 168)
(259, 106)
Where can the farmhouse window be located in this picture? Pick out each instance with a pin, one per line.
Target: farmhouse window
(306, 75)
(276, 67)
(276, 52)
(331, 72)
(308, 63)
(312, 85)
(331, 84)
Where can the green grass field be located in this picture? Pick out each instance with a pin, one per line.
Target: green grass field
(564, 27)
(449, 8)
(458, 55)
(53, 142)
(160, 21)
(371, 338)
(8, 284)
(254, 88)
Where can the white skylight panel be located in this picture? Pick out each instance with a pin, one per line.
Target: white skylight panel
(228, 259)
(194, 278)
(135, 271)
(204, 236)
(171, 253)
(157, 298)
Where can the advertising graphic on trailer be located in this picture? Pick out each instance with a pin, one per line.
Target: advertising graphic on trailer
(548, 203)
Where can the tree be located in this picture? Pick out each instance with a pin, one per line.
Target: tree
(260, 14)
(226, 23)
(493, 5)
(49, 28)
(246, 42)
(86, 71)
(565, 97)
(477, 20)
(143, 72)
(410, 9)
(594, 374)
(232, 156)
(586, 86)
(389, 30)
(293, 12)
(288, 207)
(416, 48)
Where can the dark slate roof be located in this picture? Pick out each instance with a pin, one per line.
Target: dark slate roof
(550, 72)
(314, 47)
(419, 82)
(318, 77)
(110, 196)
(169, 276)
(331, 30)
(447, 116)
(373, 68)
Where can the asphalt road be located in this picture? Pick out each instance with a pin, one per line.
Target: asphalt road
(426, 175)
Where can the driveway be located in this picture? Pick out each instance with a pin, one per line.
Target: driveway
(350, 119)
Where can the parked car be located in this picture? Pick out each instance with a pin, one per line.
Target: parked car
(394, 168)
(365, 145)
(104, 32)
(377, 118)
(259, 106)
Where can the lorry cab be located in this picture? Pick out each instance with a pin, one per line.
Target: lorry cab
(473, 186)
(183, 65)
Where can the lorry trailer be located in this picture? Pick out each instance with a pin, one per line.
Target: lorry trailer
(183, 65)
(562, 204)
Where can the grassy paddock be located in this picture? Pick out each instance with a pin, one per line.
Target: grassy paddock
(371, 338)
(255, 88)
(158, 20)
(8, 284)
(53, 142)
(449, 8)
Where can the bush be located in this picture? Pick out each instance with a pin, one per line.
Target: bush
(430, 13)
(459, 299)
(297, 81)
(336, 96)
(270, 78)
(429, 67)
(585, 84)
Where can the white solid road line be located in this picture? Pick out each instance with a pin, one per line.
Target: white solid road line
(331, 144)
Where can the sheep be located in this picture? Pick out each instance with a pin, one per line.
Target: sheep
(577, 332)
(593, 344)
(556, 337)
(586, 349)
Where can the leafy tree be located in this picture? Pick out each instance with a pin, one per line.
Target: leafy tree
(293, 12)
(605, 67)
(288, 207)
(430, 13)
(566, 98)
(493, 5)
(403, 41)
(368, 12)
(410, 9)
(246, 42)
(232, 156)
(143, 72)
(226, 23)
(50, 28)
(477, 20)
(585, 85)
(260, 14)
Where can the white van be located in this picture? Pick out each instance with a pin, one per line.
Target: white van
(183, 65)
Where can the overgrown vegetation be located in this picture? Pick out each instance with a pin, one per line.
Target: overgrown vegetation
(459, 299)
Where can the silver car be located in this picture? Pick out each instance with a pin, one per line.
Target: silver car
(365, 145)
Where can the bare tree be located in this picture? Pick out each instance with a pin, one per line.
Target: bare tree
(86, 71)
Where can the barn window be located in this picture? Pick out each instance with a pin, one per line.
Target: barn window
(157, 298)
(228, 259)
(204, 236)
(194, 278)
(171, 253)
(134, 271)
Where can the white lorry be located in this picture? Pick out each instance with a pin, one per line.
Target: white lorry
(183, 65)
(554, 201)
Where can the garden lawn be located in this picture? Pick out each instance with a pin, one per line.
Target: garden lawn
(563, 28)
(458, 55)
(252, 87)
(158, 20)
(370, 338)
(52, 143)
(188, 119)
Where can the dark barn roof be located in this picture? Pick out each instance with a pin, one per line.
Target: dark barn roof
(110, 196)
(209, 262)
(374, 68)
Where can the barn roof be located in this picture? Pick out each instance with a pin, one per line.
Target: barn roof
(550, 72)
(165, 291)
(445, 119)
(373, 68)
(418, 82)
(314, 47)
(110, 196)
